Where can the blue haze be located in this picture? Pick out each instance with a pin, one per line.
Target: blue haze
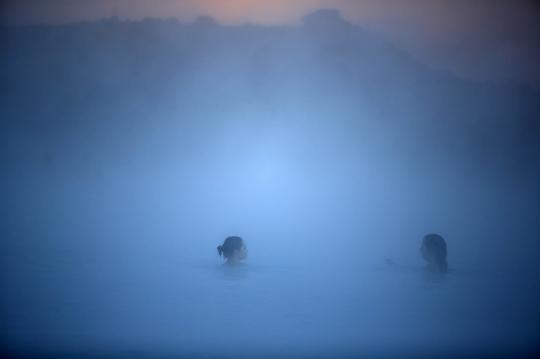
(130, 150)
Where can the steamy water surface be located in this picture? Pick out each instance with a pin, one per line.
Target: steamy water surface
(206, 308)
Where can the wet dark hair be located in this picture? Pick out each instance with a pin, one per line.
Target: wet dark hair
(434, 251)
(231, 244)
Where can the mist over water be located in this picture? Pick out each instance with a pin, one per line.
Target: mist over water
(130, 150)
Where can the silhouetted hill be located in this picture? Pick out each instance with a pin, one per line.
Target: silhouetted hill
(78, 79)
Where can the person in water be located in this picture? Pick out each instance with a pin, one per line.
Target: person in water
(233, 249)
(434, 251)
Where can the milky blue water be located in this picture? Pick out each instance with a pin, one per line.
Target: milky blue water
(204, 307)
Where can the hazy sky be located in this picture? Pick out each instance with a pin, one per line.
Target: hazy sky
(489, 40)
